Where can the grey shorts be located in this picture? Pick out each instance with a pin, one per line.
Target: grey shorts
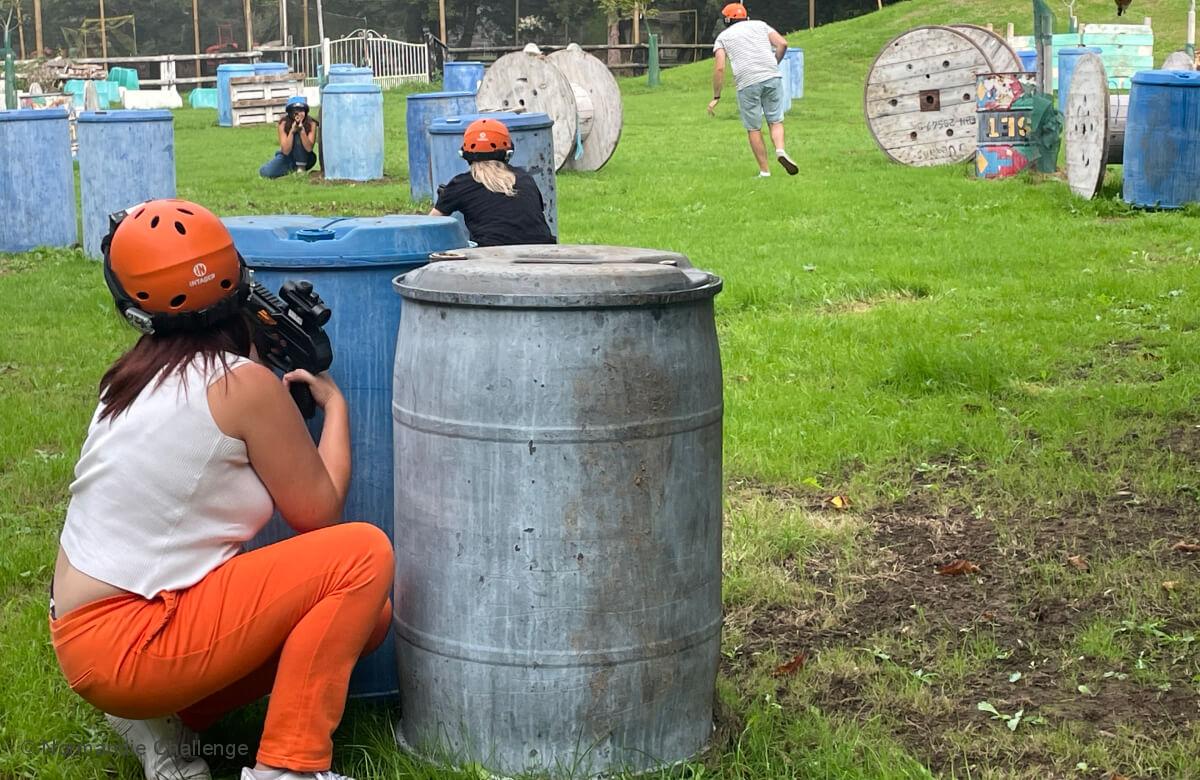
(765, 97)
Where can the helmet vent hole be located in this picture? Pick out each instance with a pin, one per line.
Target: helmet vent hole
(143, 296)
(226, 284)
(179, 228)
(177, 301)
(185, 211)
(139, 213)
(154, 222)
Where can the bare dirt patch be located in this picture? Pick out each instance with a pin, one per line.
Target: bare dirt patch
(1031, 597)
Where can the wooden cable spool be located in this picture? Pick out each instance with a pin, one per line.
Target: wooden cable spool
(599, 100)
(919, 99)
(1093, 127)
(574, 88)
(1004, 58)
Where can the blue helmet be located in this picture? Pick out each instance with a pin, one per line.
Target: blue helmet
(296, 101)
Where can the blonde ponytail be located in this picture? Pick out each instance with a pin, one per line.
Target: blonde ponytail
(495, 176)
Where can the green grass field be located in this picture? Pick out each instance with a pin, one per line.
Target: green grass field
(991, 371)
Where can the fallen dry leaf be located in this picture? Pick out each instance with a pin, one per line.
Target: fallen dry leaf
(955, 568)
(792, 666)
(1186, 547)
(1170, 585)
(839, 502)
(1079, 562)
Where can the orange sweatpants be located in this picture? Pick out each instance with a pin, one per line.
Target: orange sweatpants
(289, 619)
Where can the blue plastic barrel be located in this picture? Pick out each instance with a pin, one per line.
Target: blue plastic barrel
(462, 76)
(421, 110)
(793, 64)
(125, 158)
(785, 77)
(224, 101)
(270, 68)
(533, 150)
(1162, 139)
(37, 180)
(1028, 60)
(352, 132)
(1067, 57)
(351, 75)
(351, 263)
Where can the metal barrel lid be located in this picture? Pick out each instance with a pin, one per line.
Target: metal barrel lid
(559, 276)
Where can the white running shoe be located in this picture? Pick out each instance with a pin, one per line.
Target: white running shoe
(763, 175)
(163, 745)
(287, 774)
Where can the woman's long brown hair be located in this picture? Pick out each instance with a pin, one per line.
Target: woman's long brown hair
(161, 355)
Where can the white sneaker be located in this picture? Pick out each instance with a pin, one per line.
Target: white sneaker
(163, 745)
(287, 774)
(763, 175)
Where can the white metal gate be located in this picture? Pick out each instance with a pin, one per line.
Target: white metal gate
(392, 62)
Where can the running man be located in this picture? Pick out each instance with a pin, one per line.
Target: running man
(754, 50)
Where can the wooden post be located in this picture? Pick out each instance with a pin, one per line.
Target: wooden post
(21, 30)
(442, 21)
(249, 25)
(516, 22)
(37, 27)
(283, 23)
(196, 35)
(812, 14)
(320, 23)
(103, 33)
(1146, 21)
(1009, 32)
(306, 41)
(637, 37)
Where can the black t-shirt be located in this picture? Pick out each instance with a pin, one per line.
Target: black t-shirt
(493, 218)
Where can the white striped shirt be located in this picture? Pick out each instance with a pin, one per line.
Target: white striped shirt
(750, 52)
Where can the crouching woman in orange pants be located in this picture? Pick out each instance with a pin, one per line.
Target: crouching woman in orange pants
(155, 617)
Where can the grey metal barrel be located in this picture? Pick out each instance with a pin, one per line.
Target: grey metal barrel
(557, 416)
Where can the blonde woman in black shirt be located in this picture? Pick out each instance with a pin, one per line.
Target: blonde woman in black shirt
(500, 204)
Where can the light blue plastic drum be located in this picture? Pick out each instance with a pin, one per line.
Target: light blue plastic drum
(1068, 56)
(462, 76)
(1028, 60)
(224, 101)
(37, 180)
(125, 158)
(351, 263)
(1162, 139)
(351, 75)
(793, 65)
(270, 68)
(421, 110)
(352, 132)
(785, 75)
(533, 150)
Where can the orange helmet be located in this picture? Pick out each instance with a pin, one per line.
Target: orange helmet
(171, 265)
(486, 139)
(734, 12)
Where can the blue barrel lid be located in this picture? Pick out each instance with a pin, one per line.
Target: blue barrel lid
(1168, 78)
(351, 69)
(340, 88)
(463, 62)
(32, 114)
(1078, 51)
(235, 66)
(125, 116)
(307, 242)
(438, 95)
(455, 125)
(341, 66)
(272, 65)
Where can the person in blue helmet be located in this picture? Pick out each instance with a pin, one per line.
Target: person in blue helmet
(297, 141)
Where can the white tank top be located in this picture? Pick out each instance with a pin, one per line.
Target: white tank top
(161, 496)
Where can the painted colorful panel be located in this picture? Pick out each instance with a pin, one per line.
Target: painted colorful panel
(998, 162)
(1004, 91)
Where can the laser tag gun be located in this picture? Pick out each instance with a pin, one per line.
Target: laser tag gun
(289, 334)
